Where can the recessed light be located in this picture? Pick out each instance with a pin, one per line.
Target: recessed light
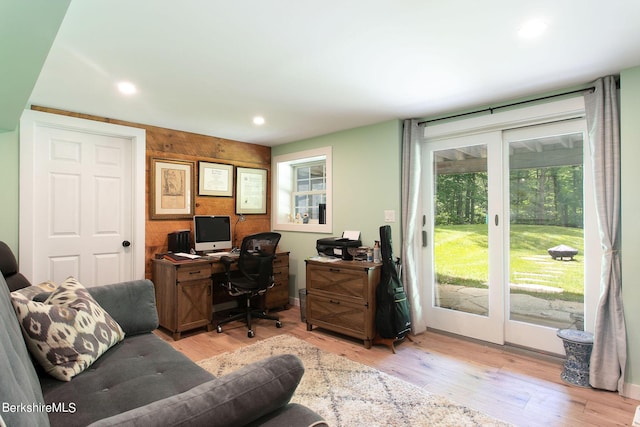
(532, 28)
(258, 120)
(127, 88)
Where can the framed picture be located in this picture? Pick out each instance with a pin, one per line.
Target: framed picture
(251, 191)
(215, 179)
(171, 189)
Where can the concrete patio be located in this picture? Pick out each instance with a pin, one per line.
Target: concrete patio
(526, 308)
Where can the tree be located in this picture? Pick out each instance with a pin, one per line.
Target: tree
(543, 195)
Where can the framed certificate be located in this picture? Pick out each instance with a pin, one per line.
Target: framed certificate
(251, 191)
(215, 179)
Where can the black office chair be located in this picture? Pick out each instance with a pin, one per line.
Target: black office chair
(253, 277)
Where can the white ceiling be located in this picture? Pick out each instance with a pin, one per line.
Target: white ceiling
(312, 68)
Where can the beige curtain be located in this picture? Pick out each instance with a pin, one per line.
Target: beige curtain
(609, 355)
(411, 223)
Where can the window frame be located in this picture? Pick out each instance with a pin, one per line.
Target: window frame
(283, 190)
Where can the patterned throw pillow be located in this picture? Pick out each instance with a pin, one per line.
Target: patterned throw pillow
(30, 292)
(68, 332)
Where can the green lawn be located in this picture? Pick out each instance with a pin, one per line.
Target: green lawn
(462, 257)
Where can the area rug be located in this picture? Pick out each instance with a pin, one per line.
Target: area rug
(347, 393)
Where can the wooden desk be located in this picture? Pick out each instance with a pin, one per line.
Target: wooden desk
(341, 297)
(187, 291)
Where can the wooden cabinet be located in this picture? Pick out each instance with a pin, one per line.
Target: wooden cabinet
(278, 296)
(183, 295)
(341, 297)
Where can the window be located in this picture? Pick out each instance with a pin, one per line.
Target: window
(310, 190)
(302, 191)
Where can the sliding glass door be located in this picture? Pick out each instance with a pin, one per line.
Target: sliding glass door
(511, 234)
(464, 252)
(552, 233)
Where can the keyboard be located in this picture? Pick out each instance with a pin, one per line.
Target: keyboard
(221, 254)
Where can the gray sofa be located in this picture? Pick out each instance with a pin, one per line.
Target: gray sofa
(142, 381)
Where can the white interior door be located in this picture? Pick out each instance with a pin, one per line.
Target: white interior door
(82, 200)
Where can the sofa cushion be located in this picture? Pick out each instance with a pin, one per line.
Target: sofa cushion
(9, 268)
(132, 304)
(8, 262)
(293, 414)
(19, 384)
(139, 370)
(68, 332)
(235, 399)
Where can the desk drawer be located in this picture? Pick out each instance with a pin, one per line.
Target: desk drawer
(278, 296)
(281, 273)
(217, 268)
(193, 272)
(281, 260)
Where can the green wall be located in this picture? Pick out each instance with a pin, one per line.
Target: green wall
(366, 182)
(630, 147)
(9, 177)
(26, 35)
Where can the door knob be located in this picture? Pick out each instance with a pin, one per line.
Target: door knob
(126, 243)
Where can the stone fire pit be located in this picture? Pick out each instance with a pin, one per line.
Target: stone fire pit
(562, 251)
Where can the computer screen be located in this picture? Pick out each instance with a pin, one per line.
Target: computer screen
(212, 232)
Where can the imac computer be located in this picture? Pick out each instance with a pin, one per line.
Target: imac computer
(212, 233)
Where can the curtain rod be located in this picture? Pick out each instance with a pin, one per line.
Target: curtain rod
(513, 104)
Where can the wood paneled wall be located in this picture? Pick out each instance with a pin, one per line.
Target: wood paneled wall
(172, 144)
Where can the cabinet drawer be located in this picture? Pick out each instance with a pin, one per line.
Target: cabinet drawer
(281, 273)
(278, 296)
(337, 315)
(337, 282)
(193, 272)
(281, 260)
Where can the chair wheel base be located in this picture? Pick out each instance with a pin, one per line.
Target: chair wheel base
(278, 324)
(219, 329)
(251, 334)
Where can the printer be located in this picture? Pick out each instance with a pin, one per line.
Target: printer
(339, 246)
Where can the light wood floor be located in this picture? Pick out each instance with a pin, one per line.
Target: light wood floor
(514, 385)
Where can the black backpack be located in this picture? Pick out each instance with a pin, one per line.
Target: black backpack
(392, 307)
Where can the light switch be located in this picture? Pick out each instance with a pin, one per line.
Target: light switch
(390, 216)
